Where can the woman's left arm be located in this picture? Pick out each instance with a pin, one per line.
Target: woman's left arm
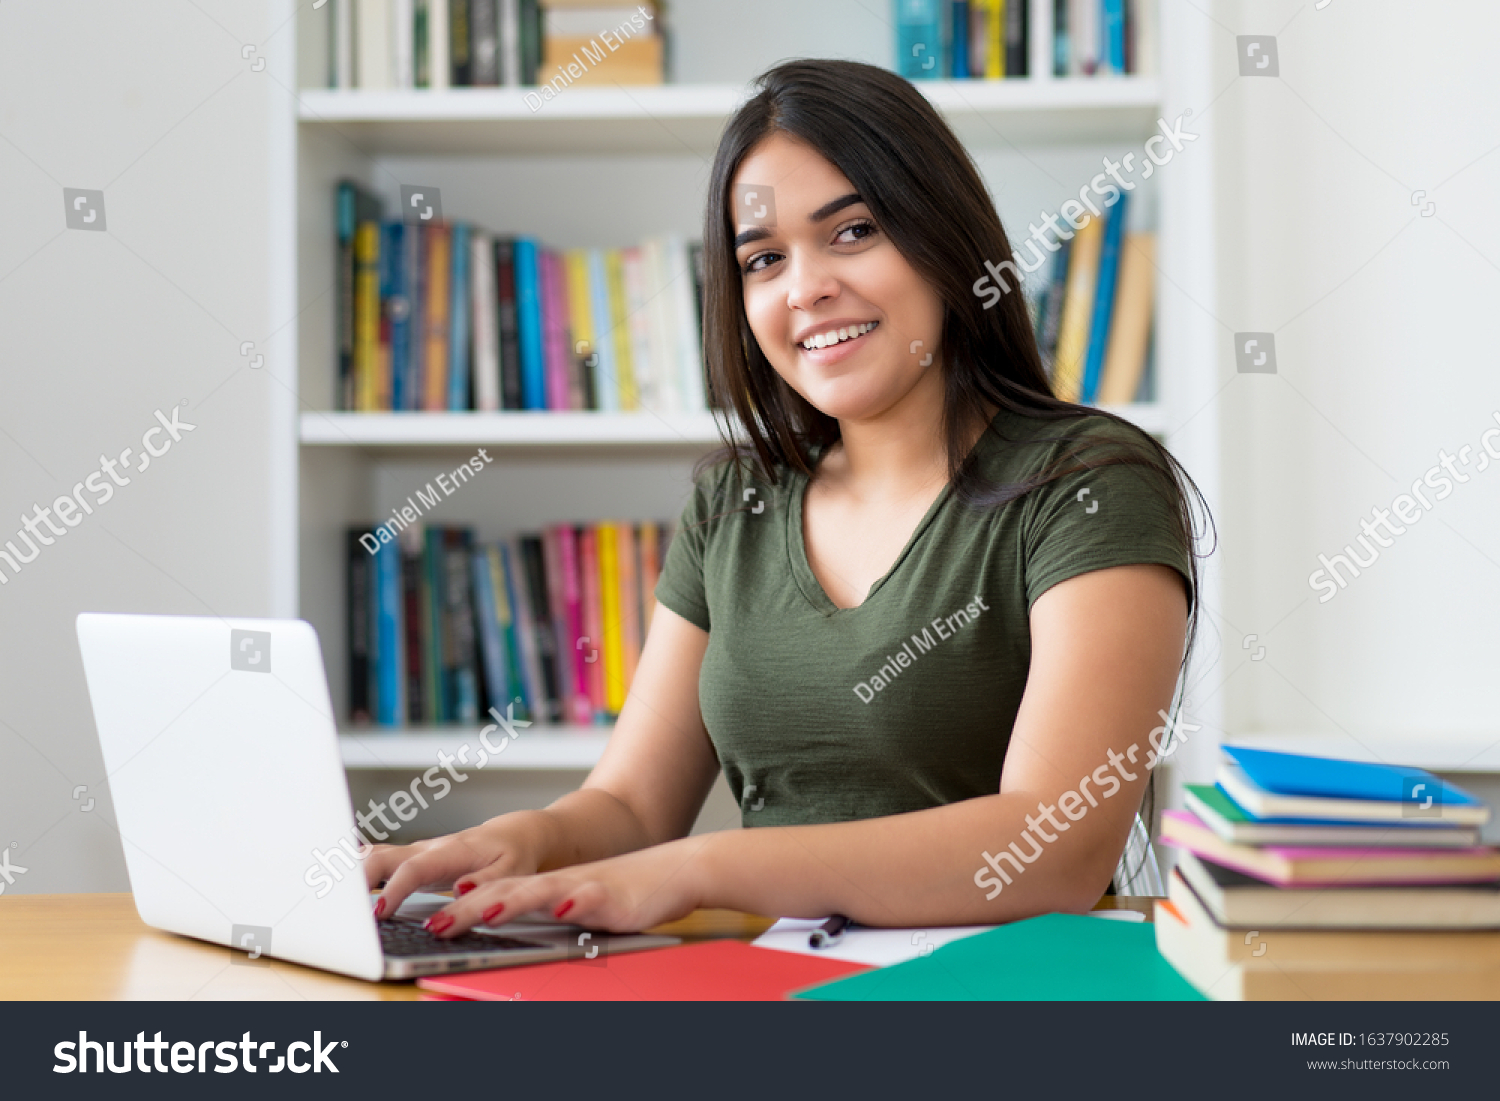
(1106, 648)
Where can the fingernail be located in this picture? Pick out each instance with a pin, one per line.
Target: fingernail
(438, 922)
(493, 912)
(563, 909)
(464, 888)
(379, 908)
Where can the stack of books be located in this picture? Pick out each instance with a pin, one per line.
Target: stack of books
(1313, 878)
(438, 44)
(1093, 311)
(989, 39)
(449, 317)
(546, 626)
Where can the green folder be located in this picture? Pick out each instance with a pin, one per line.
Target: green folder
(1052, 958)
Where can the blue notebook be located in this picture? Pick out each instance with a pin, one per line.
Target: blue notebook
(1330, 778)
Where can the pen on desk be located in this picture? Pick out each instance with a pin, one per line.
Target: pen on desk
(829, 933)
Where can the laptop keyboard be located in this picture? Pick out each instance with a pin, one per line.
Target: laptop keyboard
(402, 937)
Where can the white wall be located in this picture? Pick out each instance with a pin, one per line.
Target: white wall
(1384, 325)
(152, 103)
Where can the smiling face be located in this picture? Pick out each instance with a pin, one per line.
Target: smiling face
(835, 307)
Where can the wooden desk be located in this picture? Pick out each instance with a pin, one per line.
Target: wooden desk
(95, 947)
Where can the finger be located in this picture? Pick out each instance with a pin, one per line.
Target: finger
(433, 869)
(500, 900)
(502, 867)
(382, 860)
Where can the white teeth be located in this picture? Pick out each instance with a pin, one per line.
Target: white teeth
(835, 336)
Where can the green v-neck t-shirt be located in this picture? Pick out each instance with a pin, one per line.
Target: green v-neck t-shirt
(826, 714)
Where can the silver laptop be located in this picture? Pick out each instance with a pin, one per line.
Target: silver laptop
(222, 756)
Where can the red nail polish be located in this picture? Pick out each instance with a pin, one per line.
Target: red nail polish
(563, 909)
(493, 912)
(438, 922)
(464, 888)
(379, 908)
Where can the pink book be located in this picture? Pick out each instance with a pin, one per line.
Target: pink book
(593, 617)
(554, 332)
(580, 709)
(630, 597)
(1305, 866)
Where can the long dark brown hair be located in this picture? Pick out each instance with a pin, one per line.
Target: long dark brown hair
(926, 194)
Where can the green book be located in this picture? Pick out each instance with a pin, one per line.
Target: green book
(1052, 958)
(1238, 826)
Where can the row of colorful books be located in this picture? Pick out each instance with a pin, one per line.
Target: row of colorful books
(989, 39)
(450, 317)
(1093, 310)
(548, 625)
(1314, 878)
(437, 44)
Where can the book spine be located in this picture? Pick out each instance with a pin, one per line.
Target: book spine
(579, 709)
(439, 69)
(919, 40)
(1078, 307)
(1112, 33)
(344, 305)
(959, 48)
(605, 382)
(460, 597)
(535, 578)
(689, 340)
(491, 642)
(486, 45)
(417, 281)
(343, 45)
(1051, 316)
(397, 307)
(460, 332)
(419, 42)
(638, 319)
(650, 573)
(459, 41)
(529, 323)
(439, 275)
(581, 326)
(613, 653)
(665, 366)
(994, 47)
(525, 628)
(1104, 298)
(630, 600)
(576, 390)
(372, 56)
(414, 634)
(614, 276)
(367, 316)
(1130, 331)
(482, 306)
(434, 688)
(593, 617)
(558, 617)
(388, 634)
(510, 336)
(403, 28)
(554, 341)
(531, 40)
(505, 620)
(510, 43)
(1062, 53)
(1016, 43)
(361, 578)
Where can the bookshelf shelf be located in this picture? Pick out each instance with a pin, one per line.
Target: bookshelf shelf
(687, 118)
(695, 431)
(553, 747)
(691, 431)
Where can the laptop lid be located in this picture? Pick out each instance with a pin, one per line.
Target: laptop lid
(222, 757)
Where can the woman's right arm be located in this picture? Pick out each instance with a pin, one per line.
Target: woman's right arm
(648, 788)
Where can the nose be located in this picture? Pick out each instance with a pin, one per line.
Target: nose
(809, 281)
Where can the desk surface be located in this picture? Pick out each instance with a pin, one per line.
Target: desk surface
(95, 947)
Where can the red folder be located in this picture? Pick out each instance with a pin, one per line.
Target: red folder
(710, 971)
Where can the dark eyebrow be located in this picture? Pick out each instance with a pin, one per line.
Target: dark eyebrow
(827, 210)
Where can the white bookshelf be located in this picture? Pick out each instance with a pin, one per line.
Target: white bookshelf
(647, 142)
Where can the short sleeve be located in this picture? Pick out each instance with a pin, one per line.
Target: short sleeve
(681, 586)
(1113, 514)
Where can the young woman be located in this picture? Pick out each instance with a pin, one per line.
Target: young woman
(920, 612)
